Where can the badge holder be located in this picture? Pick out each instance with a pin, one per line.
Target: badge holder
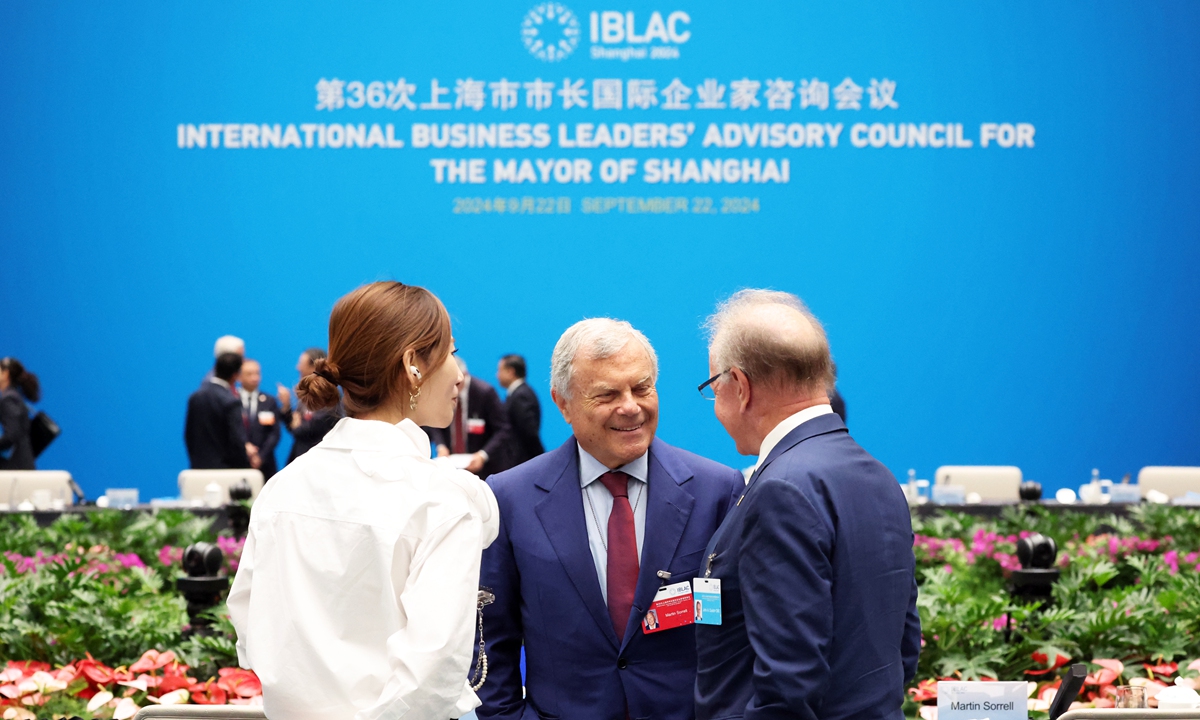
(706, 592)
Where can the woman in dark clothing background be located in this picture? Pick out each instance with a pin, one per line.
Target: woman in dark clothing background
(16, 387)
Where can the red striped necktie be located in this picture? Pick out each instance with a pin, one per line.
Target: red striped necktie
(622, 552)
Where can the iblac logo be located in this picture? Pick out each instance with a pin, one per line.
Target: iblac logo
(612, 27)
(550, 31)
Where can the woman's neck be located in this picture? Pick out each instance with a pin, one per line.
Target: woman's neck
(392, 415)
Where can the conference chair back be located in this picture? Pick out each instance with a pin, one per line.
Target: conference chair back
(994, 483)
(193, 484)
(1172, 481)
(40, 487)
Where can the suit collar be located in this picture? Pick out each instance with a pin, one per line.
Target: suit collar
(789, 424)
(820, 425)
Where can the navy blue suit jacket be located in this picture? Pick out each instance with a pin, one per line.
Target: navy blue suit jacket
(817, 588)
(548, 596)
(214, 430)
(265, 437)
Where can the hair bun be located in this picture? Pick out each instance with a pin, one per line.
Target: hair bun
(319, 391)
(328, 370)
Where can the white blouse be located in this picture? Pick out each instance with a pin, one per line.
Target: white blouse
(355, 595)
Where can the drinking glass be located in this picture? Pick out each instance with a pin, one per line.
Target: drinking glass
(1131, 696)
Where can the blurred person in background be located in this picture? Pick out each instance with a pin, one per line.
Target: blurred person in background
(260, 413)
(480, 427)
(357, 588)
(18, 387)
(524, 410)
(225, 344)
(307, 427)
(214, 431)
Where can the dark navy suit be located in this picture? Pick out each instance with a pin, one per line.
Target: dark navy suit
(817, 588)
(548, 595)
(214, 430)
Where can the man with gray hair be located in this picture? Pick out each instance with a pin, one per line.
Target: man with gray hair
(589, 533)
(815, 562)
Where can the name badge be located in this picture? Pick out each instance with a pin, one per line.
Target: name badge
(672, 608)
(476, 426)
(265, 417)
(707, 594)
(979, 700)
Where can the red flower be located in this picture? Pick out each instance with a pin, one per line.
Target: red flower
(243, 683)
(1042, 658)
(175, 677)
(29, 667)
(1165, 669)
(96, 672)
(208, 693)
(1109, 671)
(925, 690)
(170, 683)
(152, 660)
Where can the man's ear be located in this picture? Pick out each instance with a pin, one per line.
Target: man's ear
(744, 391)
(561, 403)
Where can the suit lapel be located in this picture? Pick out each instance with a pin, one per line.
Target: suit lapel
(820, 425)
(668, 507)
(561, 515)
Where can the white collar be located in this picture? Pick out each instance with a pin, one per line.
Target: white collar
(403, 438)
(514, 385)
(218, 381)
(789, 424)
(590, 469)
(247, 394)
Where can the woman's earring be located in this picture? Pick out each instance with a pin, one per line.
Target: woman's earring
(412, 399)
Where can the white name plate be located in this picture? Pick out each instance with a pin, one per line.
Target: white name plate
(983, 701)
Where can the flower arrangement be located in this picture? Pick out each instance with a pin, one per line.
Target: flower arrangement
(1128, 600)
(100, 586)
(90, 689)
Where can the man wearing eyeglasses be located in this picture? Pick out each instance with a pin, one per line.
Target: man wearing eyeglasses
(814, 561)
(589, 532)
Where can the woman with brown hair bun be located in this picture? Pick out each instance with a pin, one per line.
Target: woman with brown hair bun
(356, 592)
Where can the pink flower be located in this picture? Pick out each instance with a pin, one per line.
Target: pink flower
(170, 555)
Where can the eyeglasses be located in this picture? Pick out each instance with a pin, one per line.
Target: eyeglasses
(706, 388)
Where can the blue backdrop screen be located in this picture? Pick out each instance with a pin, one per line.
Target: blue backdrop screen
(991, 206)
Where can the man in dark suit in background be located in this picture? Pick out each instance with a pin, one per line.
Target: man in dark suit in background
(524, 410)
(214, 430)
(261, 415)
(480, 427)
(588, 534)
(307, 427)
(819, 598)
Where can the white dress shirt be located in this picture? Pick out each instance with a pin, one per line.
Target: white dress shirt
(513, 386)
(598, 503)
(249, 401)
(356, 592)
(789, 424)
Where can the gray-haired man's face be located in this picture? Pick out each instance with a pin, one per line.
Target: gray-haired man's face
(613, 407)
